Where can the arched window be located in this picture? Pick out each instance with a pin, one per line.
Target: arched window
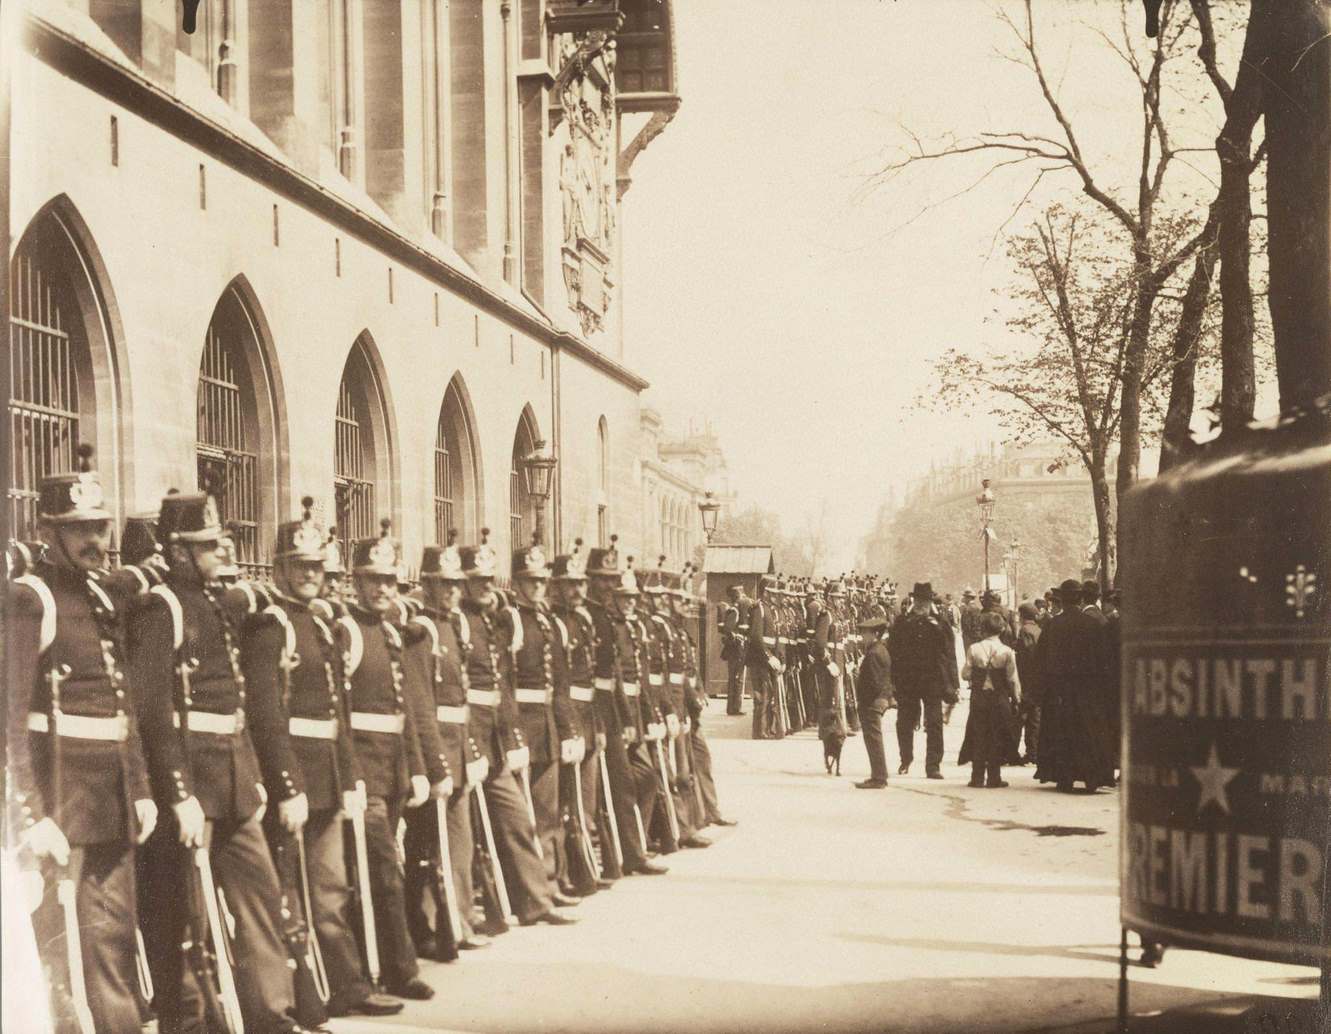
(236, 430)
(362, 468)
(521, 509)
(603, 482)
(455, 468)
(62, 387)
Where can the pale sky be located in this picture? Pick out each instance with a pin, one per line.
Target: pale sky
(762, 294)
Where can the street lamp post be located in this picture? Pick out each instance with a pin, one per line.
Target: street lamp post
(537, 467)
(710, 510)
(1014, 551)
(985, 501)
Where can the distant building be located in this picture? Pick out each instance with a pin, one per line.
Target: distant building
(677, 472)
(1043, 504)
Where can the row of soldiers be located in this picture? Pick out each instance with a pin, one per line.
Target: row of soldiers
(798, 647)
(198, 764)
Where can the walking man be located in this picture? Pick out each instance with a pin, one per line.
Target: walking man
(924, 664)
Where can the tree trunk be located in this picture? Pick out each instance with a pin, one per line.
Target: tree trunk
(1104, 519)
(1134, 362)
(1176, 440)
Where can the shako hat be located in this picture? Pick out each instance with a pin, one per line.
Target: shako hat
(189, 517)
(380, 555)
(479, 561)
(604, 560)
(628, 580)
(682, 584)
(654, 582)
(139, 539)
(302, 539)
(74, 496)
(570, 567)
(332, 554)
(530, 561)
(443, 562)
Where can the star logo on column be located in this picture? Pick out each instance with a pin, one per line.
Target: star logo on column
(1213, 778)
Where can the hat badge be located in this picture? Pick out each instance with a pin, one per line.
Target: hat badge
(384, 553)
(535, 557)
(86, 492)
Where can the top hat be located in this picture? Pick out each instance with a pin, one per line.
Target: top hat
(604, 560)
(139, 539)
(628, 580)
(332, 554)
(75, 496)
(530, 562)
(570, 567)
(380, 555)
(925, 591)
(189, 517)
(443, 562)
(479, 561)
(303, 539)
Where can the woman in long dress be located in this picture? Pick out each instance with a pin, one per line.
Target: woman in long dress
(991, 669)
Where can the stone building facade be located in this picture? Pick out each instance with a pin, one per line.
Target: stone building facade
(366, 250)
(677, 472)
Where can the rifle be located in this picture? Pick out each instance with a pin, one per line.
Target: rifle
(531, 811)
(496, 869)
(451, 914)
(582, 869)
(66, 892)
(226, 979)
(666, 789)
(312, 958)
(610, 823)
(370, 932)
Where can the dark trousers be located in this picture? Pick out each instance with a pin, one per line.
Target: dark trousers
(734, 687)
(1030, 726)
(397, 954)
(425, 902)
(544, 778)
(871, 723)
(908, 713)
(762, 691)
(665, 768)
(632, 786)
(103, 878)
(524, 873)
(704, 784)
(244, 872)
(330, 899)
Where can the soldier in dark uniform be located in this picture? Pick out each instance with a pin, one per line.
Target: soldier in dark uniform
(875, 696)
(185, 658)
(66, 678)
(618, 684)
(578, 628)
(439, 659)
(495, 726)
(732, 649)
(293, 655)
(924, 672)
(761, 660)
(384, 736)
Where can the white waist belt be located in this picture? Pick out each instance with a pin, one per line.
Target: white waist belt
(631, 689)
(82, 727)
(453, 715)
(604, 684)
(742, 628)
(372, 721)
(212, 722)
(782, 640)
(582, 693)
(532, 696)
(483, 697)
(313, 728)
(677, 680)
(768, 641)
(656, 680)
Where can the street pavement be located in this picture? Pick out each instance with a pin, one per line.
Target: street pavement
(928, 906)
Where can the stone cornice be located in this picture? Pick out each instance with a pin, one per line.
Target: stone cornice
(73, 58)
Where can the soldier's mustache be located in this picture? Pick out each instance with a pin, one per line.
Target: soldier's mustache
(92, 553)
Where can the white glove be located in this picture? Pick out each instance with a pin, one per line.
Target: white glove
(655, 731)
(46, 840)
(582, 750)
(518, 759)
(294, 812)
(442, 790)
(688, 725)
(600, 741)
(672, 725)
(630, 734)
(353, 801)
(477, 770)
(568, 751)
(145, 810)
(189, 815)
(420, 791)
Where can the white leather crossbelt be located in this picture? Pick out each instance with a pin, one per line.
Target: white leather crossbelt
(313, 728)
(532, 696)
(452, 714)
(631, 689)
(82, 727)
(483, 697)
(583, 693)
(677, 678)
(213, 723)
(371, 721)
